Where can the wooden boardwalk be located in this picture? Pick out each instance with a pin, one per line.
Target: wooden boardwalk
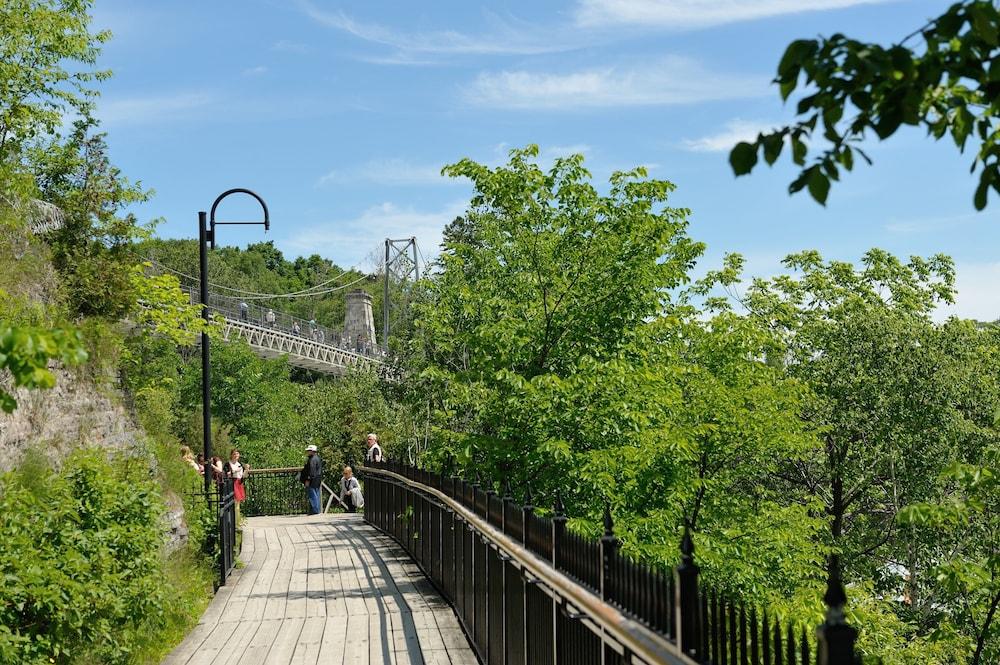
(324, 589)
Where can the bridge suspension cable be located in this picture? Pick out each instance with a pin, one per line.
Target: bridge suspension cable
(253, 295)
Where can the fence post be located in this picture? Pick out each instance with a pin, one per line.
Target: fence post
(505, 501)
(558, 531)
(609, 549)
(686, 599)
(526, 511)
(559, 520)
(834, 636)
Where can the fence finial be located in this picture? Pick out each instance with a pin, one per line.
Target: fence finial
(529, 501)
(506, 490)
(687, 545)
(836, 638)
(559, 509)
(835, 596)
(609, 525)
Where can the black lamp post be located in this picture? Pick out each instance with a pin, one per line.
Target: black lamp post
(206, 237)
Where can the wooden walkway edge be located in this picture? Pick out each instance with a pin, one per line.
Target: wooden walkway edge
(324, 589)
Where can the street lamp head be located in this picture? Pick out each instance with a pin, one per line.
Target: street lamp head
(236, 190)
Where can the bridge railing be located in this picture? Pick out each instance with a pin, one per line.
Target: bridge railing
(258, 316)
(526, 590)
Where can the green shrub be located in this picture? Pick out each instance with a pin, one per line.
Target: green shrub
(83, 575)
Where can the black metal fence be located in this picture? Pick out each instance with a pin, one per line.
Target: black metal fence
(280, 492)
(274, 492)
(505, 569)
(221, 540)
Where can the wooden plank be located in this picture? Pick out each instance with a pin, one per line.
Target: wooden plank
(283, 647)
(309, 641)
(260, 642)
(356, 642)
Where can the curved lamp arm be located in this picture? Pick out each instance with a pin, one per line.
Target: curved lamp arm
(236, 190)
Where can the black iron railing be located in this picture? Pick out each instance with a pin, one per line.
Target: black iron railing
(221, 537)
(280, 492)
(528, 591)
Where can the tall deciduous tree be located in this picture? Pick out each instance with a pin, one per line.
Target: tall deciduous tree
(560, 355)
(896, 397)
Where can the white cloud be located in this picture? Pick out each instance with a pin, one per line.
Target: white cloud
(689, 14)
(978, 297)
(506, 39)
(390, 172)
(345, 240)
(666, 81)
(259, 70)
(151, 108)
(732, 133)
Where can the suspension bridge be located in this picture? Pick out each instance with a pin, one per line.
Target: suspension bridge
(305, 344)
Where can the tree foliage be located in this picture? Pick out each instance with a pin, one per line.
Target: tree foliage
(559, 353)
(25, 352)
(47, 59)
(948, 83)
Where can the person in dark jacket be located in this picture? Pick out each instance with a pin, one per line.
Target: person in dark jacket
(312, 477)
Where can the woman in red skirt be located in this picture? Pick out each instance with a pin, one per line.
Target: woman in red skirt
(236, 472)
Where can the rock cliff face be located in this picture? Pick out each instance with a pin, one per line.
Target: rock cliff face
(81, 410)
(54, 422)
(78, 413)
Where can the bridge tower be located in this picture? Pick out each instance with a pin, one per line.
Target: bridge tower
(400, 264)
(359, 321)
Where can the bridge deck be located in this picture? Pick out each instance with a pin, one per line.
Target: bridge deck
(324, 589)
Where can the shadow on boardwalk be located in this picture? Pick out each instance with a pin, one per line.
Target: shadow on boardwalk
(324, 589)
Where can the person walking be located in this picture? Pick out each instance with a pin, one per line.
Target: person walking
(374, 452)
(235, 470)
(348, 485)
(269, 318)
(244, 311)
(312, 477)
(296, 330)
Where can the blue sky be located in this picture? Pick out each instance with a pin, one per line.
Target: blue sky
(341, 115)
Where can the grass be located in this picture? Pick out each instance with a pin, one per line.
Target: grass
(189, 577)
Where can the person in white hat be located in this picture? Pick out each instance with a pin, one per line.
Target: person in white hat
(312, 477)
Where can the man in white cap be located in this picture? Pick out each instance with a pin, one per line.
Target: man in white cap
(312, 477)
(374, 452)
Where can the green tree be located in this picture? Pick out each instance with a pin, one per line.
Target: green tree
(93, 247)
(47, 65)
(559, 353)
(964, 529)
(896, 397)
(944, 76)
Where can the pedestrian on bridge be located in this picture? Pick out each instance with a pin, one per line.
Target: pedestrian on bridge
(269, 318)
(244, 311)
(350, 491)
(295, 329)
(374, 452)
(312, 477)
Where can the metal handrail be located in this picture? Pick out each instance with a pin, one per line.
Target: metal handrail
(637, 638)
